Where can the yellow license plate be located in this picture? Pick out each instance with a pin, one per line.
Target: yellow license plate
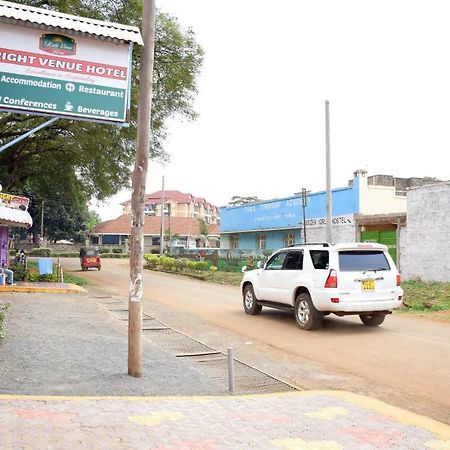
(368, 285)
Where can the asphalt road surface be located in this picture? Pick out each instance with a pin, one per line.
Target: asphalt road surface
(405, 362)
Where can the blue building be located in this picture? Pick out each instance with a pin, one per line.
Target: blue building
(277, 223)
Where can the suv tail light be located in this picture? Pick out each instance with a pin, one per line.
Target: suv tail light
(399, 280)
(331, 280)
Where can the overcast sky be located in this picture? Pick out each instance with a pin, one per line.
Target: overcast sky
(269, 67)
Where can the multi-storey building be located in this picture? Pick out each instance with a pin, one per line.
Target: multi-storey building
(178, 204)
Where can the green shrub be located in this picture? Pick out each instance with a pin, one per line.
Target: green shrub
(20, 274)
(201, 265)
(181, 264)
(42, 251)
(114, 255)
(151, 259)
(67, 254)
(191, 265)
(35, 277)
(213, 269)
(167, 262)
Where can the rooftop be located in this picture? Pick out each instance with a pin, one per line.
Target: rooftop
(17, 13)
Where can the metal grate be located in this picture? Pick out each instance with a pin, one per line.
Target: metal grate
(206, 360)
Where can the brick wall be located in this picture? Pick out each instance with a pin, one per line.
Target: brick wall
(427, 239)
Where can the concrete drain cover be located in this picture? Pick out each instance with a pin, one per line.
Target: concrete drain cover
(199, 356)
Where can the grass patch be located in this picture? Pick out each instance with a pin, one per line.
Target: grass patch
(426, 297)
(32, 275)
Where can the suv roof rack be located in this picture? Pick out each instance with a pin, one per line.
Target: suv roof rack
(323, 244)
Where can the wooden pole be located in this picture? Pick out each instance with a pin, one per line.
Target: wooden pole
(138, 191)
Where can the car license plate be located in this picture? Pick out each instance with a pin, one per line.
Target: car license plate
(368, 285)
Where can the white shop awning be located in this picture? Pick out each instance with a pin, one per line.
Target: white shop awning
(11, 12)
(15, 217)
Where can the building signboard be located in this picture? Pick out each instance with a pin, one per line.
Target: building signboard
(59, 75)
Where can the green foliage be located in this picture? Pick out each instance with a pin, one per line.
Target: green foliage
(20, 273)
(167, 262)
(201, 265)
(114, 255)
(34, 277)
(213, 269)
(191, 265)
(41, 251)
(152, 260)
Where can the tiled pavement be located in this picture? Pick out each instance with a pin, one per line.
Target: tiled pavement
(321, 420)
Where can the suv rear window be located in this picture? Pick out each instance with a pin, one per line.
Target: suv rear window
(359, 261)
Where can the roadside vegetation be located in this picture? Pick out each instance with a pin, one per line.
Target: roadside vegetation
(30, 273)
(200, 269)
(431, 298)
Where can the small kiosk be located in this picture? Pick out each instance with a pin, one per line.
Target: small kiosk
(13, 213)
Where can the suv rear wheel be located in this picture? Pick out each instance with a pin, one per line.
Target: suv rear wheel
(250, 303)
(372, 320)
(306, 315)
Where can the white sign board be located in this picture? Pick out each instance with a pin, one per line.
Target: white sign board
(63, 75)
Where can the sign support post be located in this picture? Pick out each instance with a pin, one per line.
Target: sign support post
(138, 192)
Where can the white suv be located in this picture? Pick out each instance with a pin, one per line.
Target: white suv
(314, 280)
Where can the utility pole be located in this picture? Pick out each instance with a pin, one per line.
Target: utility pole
(41, 237)
(304, 204)
(138, 191)
(161, 231)
(329, 225)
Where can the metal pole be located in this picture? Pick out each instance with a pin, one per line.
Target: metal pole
(28, 133)
(304, 202)
(41, 237)
(138, 192)
(161, 231)
(329, 225)
(230, 369)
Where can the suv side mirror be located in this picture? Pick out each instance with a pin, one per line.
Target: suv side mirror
(260, 264)
(244, 268)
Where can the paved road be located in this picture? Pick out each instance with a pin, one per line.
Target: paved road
(405, 362)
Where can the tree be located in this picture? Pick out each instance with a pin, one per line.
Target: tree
(95, 158)
(237, 200)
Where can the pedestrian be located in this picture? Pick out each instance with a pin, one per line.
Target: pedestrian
(22, 257)
(9, 274)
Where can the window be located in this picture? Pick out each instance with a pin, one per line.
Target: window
(261, 241)
(156, 241)
(234, 241)
(320, 259)
(360, 261)
(289, 239)
(276, 262)
(294, 261)
(111, 239)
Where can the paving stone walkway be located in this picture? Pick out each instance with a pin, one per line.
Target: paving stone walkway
(322, 420)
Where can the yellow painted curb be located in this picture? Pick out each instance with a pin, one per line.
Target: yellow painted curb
(439, 429)
(68, 289)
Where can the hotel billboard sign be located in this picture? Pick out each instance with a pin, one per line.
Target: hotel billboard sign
(64, 74)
